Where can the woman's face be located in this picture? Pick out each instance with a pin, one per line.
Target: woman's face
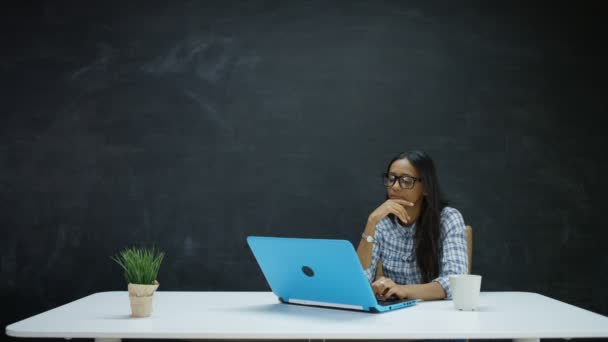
(400, 168)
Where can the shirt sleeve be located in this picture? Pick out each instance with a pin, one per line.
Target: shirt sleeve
(370, 272)
(454, 256)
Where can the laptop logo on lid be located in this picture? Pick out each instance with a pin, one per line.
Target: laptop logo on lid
(308, 271)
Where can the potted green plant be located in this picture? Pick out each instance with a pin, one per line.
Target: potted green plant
(141, 267)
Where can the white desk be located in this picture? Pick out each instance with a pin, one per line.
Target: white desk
(258, 315)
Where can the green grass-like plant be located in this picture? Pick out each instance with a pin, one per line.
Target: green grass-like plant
(141, 265)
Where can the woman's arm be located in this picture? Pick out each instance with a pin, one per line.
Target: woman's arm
(454, 255)
(430, 291)
(387, 288)
(364, 251)
(369, 252)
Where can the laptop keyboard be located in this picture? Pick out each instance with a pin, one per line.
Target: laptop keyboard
(390, 301)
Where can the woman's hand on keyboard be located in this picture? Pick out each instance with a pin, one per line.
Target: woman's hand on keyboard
(385, 288)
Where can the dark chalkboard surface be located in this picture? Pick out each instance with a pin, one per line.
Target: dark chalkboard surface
(191, 125)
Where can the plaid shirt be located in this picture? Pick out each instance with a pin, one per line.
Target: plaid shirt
(394, 246)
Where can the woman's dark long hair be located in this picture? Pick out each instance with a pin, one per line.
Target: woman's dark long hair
(427, 239)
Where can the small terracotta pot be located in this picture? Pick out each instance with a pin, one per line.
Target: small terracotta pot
(141, 297)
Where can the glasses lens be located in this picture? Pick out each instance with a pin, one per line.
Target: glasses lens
(406, 182)
(388, 180)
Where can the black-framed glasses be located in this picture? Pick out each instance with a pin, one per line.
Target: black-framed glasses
(405, 181)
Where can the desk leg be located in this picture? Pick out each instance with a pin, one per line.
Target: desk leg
(526, 340)
(107, 340)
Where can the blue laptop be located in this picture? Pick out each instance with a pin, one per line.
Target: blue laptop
(317, 272)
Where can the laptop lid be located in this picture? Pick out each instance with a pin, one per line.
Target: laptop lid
(319, 272)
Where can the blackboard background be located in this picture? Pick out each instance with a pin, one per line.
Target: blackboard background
(190, 125)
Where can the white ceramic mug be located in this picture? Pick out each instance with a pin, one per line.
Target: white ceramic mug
(465, 291)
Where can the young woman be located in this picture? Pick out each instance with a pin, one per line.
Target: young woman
(417, 237)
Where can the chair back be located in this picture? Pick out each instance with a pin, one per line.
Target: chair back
(468, 230)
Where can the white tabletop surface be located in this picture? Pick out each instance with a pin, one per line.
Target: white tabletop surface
(258, 315)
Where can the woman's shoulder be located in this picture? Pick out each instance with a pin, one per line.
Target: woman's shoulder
(449, 211)
(451, 218)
